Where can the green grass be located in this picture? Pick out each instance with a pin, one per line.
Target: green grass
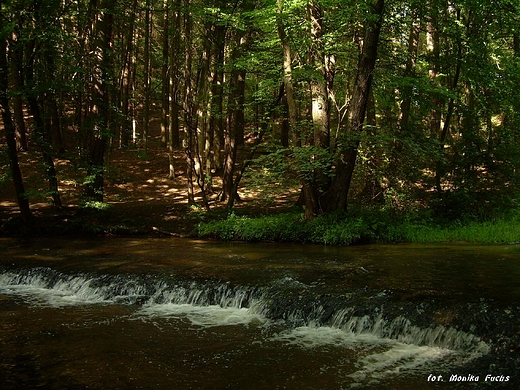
(290, 227)
(283, 227)
(492, 232)
(367, 226)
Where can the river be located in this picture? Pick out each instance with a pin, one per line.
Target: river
(125, 313)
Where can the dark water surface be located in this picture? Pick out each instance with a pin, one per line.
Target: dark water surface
(113, 313)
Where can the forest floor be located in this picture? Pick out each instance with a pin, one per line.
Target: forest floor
(141, 198)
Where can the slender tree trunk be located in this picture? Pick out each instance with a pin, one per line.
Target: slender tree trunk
(229, 166)
(451, 106)
(199, 124)
(433, 47)
(15, 58)
(336, 198)
(234, 135)
(50, 103)
(173, 126)
(319, 109)
(248, 160)
(126, 79)
(287, 75)
(189, 101)
(406, 103)
(235, 128)
(134, 107)
(175, 76)
(286, 128)
(147, 70)
(407, 91)
(237, 88)
(42, 136)
(217, 101)
(44, 145)
(9, 131)
(165, 96)
(101, 100)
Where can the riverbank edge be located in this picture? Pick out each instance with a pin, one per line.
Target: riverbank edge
(78, 221)
(331, 230)
(286, 226)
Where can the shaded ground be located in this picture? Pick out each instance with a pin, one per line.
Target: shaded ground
(142, 199)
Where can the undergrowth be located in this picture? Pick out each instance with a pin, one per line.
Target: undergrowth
(372, 225)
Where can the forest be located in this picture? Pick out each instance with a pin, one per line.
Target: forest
(388, 108)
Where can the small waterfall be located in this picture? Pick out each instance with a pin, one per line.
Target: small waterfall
(216, 303)
(402, 330)
(45, 286)
(59, 289)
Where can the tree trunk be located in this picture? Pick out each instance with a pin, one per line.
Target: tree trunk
(44, 145)
(9, 131)
(101, 100)
(126, 79)
(336, 197)
(319, 92)
(439, 172)
(147, 71)
(189, 100)
(406, 103)
(165, 96)
(50, 106)
(407, 91)
(433, 47)
(173, 125)
(42, 137)
(316, 181)
(235, 128)
(287, 75)
(15, 58)
(247, 161)
(216, 123)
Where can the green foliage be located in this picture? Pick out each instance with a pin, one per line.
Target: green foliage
(476, 160)
(271, 172)
(366, 225)
(310, 159)
(96, 205)
(291, 227)
(500, 231)
(38, 194)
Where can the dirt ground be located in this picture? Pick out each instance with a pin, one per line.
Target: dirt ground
(138, 190)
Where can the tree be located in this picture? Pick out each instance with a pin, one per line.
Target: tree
(9, 128)
(420, 109)
(100, 91)
(335, 199)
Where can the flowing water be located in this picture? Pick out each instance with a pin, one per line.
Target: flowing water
(116, 313)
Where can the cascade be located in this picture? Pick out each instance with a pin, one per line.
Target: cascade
(158, 294)
(387, 334)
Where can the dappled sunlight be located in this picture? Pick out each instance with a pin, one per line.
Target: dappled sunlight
(137, 187)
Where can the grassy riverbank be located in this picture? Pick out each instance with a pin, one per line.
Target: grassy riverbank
(361, 228)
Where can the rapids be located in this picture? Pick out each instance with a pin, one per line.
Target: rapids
(163, 313)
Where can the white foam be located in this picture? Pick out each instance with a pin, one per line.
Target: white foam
(315, 337)
(208, 316)
(397, 358)
(385, 356)
(65, 292)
